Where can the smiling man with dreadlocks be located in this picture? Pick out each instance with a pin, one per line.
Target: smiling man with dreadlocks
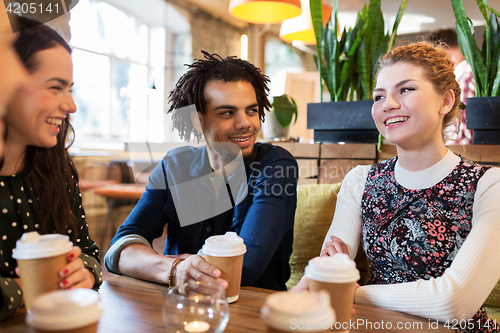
(230, 184)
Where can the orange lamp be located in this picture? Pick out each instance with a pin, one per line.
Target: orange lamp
(264, 11)
(300, 28)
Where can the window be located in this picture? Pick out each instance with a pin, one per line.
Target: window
(121, 69)
(280, 58)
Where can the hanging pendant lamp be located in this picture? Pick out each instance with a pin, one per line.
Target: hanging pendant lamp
(264, 11)
(300, 28)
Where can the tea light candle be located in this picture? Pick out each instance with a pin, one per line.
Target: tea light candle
(196, 327)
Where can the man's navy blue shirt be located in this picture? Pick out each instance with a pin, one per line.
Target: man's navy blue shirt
(264, 218)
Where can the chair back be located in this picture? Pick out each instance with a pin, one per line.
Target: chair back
(313, 217)
(315, 209)
(101, 171)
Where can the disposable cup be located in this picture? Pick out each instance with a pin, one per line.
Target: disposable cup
(40, 258)
(70, 311)
(338, 276)
(226, 253)
(304, 311)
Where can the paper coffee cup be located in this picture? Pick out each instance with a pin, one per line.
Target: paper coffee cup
(304, 311)
(73, 310)
(338, 276)
(40, 258)
(226, 253)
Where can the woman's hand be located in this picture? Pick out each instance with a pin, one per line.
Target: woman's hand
(336, 245)
(74, 273)
(302, 285)
(196, 268)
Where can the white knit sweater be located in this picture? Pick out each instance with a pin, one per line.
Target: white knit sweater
(466, 284)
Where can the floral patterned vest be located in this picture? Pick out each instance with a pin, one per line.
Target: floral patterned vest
(415, 234)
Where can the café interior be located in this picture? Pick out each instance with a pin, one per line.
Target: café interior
(138, 51)
(128, 55)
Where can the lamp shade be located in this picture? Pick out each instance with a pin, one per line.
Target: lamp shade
(264, 11)
(300, 28)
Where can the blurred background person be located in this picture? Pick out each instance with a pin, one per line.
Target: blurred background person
(457, 132)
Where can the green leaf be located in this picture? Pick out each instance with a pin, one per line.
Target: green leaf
(469, 48)
(379, 142)
(395, 27)
(473, 56)
(491, 10)
(378, 39)
(383, 49)
(487, 47)
(316, 8)
(494, 30)
(384, 45)
(326, 78)
(493, 75)
(284, 109)
(364, 69)
(495, 90)
(375, 30)
(362, 56)
(332, 51)
(347, 65)
(495, 59)
(371, 20)
(321, 81)
(482, 8)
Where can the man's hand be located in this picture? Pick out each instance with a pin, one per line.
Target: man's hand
(336, 245)
(196, 268)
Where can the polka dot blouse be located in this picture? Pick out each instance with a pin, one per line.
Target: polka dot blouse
(19, 213)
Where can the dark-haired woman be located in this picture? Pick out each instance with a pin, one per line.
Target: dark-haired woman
(38, 181)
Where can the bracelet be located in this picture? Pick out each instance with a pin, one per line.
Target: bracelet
(171, 276)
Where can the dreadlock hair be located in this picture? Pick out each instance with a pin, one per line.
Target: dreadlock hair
(190, 89)
(51, 169)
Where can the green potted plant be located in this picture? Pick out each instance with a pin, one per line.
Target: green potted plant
(347, 67)
(278, 122)
(483, 111)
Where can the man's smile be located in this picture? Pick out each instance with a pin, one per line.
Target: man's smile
(241, 138)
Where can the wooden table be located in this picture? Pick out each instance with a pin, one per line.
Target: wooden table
(117, 195)
(120, 191)
(86, 184)
(132, 305)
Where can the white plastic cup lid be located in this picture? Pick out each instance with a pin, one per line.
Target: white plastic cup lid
(339, 269)
(288, 312)
(32, 245)
(228, 245)
(65, 309)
